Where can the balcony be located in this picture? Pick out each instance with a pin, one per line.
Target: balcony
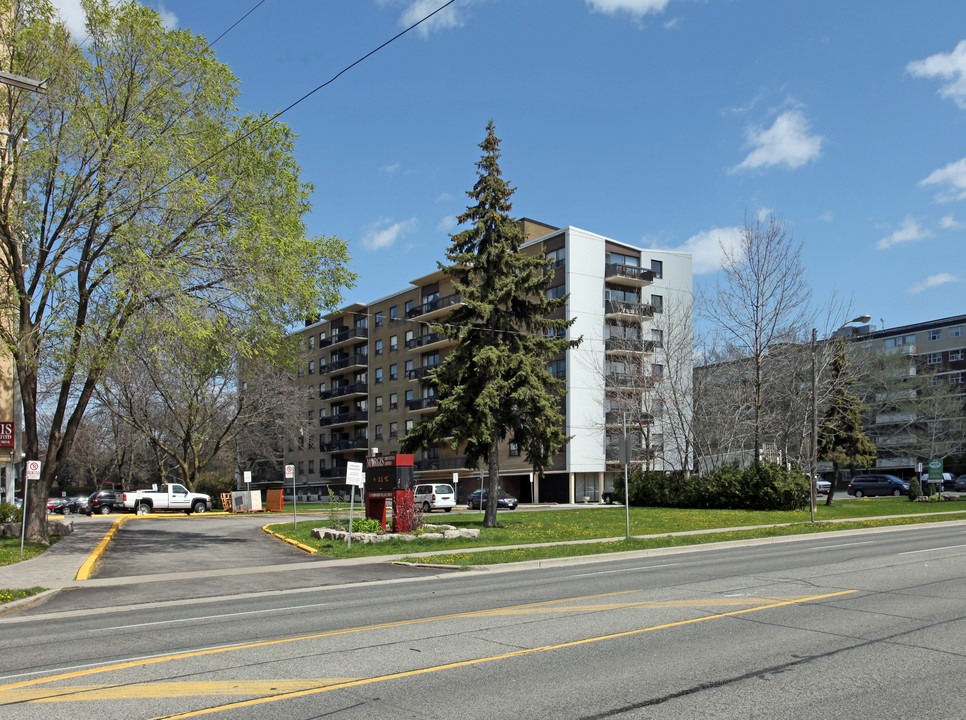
(420, 373)
(344, 336)
(355, 416)
(344, 445)
(616, 419)
(628, 275)
(627, 381)
(628, 346)
(422, 404)
(428, 341)
(623, 310)
(352, 361)
(359, 388)
(433, 308)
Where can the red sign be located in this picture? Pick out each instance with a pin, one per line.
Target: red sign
(6, 434)
(388, 461)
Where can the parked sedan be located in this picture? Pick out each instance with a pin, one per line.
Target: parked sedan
(503, 500)
(57, 505)
(103, 502)
(960, 484)
(871, 485)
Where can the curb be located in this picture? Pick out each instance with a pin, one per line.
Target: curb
(91, 562)
(300, 546)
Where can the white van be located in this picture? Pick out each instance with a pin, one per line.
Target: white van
(434, 496)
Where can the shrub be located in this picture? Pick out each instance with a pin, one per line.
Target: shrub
(366, 525)
(915, 490)
(9, 513)
(214, 486)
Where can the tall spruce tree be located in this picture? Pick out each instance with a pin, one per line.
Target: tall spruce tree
(494, 386)
(840, 437)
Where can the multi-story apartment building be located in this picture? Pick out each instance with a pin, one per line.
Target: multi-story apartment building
(365, 366)
(901, 424)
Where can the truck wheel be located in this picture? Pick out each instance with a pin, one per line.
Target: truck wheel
(199, 507)
(143, 509)
(104, 509)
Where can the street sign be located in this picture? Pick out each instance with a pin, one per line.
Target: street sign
(289, 472)
(247, 475)
(33, 469)
(936, 469)
(354, 474)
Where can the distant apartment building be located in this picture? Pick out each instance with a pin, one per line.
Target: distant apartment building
(905, 433)
(365, 365)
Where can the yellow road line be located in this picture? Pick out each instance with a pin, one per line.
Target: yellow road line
(280, 641)
(152, 690)
(478, 661)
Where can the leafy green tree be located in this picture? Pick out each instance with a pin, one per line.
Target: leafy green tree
(840, 435)
(142, 188)
(495, 385)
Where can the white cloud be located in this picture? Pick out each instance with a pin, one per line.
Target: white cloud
(909, 231)
(787, 142)
(384, 233)
(389, 169)
(763, 214)
(953, 176)
(708, 248)
(639, 8)
(827, 216)
(932, 281)
(951, 223)
(416, 10)
(447, 224)
(168, 19)
(948, 66)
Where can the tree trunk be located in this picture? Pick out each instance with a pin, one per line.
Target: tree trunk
(835, 481)
(492, 485)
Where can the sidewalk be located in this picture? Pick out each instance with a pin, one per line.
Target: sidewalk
(58, 566)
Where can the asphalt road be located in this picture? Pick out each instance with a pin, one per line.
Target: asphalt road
(850, 625)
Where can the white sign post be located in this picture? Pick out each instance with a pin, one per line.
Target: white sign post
(33, 473)
(247, 476)
(355, 478)
(290, 475)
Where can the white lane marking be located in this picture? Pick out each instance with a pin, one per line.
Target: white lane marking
(947, 547)
(608, 572)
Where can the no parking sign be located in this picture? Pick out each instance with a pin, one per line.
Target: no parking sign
(33, 469)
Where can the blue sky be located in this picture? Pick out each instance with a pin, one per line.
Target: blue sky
(655, 122)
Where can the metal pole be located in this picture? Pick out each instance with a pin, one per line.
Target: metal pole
(814, 469)
(295, 504)
(627, 493)
(23, 512)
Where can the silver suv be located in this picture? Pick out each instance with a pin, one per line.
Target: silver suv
(434, 496)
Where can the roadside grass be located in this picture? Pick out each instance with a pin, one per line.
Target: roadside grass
(10, 550)
(11, 595)
(595, 523)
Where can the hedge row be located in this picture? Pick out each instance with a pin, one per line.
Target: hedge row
(766, 486)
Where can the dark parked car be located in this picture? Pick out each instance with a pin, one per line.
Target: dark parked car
(960, 484)
(66, 506)
(871, 485)
(103, 502)
(503, 500)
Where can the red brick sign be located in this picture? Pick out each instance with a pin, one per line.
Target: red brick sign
(6, 434)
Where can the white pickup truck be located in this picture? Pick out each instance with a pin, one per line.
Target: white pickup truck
(171, 496)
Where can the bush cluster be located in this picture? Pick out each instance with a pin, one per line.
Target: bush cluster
(765, 486)
(9, 513)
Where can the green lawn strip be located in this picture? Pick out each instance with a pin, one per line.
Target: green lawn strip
(10, 550)
(588, 524)
(11, 595)
(546, 552)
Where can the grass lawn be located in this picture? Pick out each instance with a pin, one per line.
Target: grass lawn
(9, 554)
(548, 526)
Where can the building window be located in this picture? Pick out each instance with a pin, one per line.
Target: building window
(657, 371)
(899, 341)
(393, 430)
(393, 401)
(558, 368)
(409, 396)
(311, 414)
(657, 337)
(378, 319)
(514, 450)
(301, 370)
(301, 468)
(409, 308)
(409, 338)
(409, 368)
(393, 343)
(378, 403)
(378, 347)
(613, 258)
(378, 432)
(393, 313)
(936, 334)
(311, 342)
(378, 375)
(410, 424)
(657, 267)
(657, 302)
(393, 372)
(311, 367)
(311, 467)
(935, 358)
(955, 355)
(957, 378)
(956, 331)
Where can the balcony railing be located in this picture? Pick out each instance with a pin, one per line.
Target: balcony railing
(343, 445)
(359, 388)
(343, 363)
(628, 274)
(418, 404)
(434, 306)
(629, 345)
(425, 339)
(421, 372)
(628, 309)
(342, 418)
(615, 417)
(343, 336)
